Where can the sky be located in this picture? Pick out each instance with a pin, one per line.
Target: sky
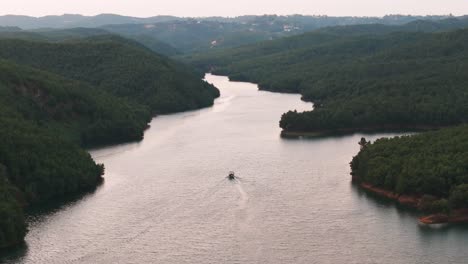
(200, 8)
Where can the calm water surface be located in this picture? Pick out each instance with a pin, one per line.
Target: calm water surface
(166, 199)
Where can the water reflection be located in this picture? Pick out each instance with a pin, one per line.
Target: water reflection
(166, 199)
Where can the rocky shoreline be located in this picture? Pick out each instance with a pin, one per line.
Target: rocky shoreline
(414, 201)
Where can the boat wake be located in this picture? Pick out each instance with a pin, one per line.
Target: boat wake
(244, 197)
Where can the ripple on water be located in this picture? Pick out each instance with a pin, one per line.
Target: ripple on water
(166, 199)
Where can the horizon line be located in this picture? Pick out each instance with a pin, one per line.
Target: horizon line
(236, 16)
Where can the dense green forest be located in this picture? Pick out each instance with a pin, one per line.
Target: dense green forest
(397, 80)
(431, 164)
(37, 165)
(12, 224)
(60, 35)
(56, 35)
(119, 66)
(58, 96)
(83, 114)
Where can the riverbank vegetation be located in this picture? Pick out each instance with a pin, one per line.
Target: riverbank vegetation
(358, 80)
(432, 167)
(12, 224)
(57, 97)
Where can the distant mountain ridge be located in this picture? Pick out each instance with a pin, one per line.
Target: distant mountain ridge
(73, 20)
(171, 35)
(306, 22)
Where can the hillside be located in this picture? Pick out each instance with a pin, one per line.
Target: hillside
(44, 117)
(60, 35)
(39, 115)
(57, 35)
(119, 66)
(56, 97)
(194, 35)
(84, 114)
(358, 82)
(37, 165)
(435, 174)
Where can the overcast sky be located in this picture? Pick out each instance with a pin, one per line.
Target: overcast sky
(145, 8)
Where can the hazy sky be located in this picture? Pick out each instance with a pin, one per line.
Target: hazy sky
(144, 8)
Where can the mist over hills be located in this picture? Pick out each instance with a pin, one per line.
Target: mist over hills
(171, 35)
(303, 21)
(73, 20)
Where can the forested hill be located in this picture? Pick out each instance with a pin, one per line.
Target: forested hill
(83, 114)
(431, 165)
(359, 82)
(118, 66)
(56, 97)
(59, 35)
(42, 118)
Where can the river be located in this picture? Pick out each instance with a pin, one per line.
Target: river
(166, 198)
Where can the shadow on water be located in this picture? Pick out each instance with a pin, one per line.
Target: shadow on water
(38, 212)
(387, 203)
(51, 207)
(341, 135)
(434, 229)
(406, 211)
(315, 138)
(14, 254)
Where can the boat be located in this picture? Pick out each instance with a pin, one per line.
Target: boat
(231, 176)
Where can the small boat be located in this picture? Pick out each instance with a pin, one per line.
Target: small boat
(231, 176)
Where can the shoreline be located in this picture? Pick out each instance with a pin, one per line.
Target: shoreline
(365, 130)
(413, 201)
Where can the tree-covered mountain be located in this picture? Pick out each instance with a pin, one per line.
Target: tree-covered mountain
(69, 89)
(83, 113)
(448, 24)
(37, 165)
(42, 118)
(149, 42)
(119, 66)
(359, 81)
(155, 45)
(430, 165)
(60, 35)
